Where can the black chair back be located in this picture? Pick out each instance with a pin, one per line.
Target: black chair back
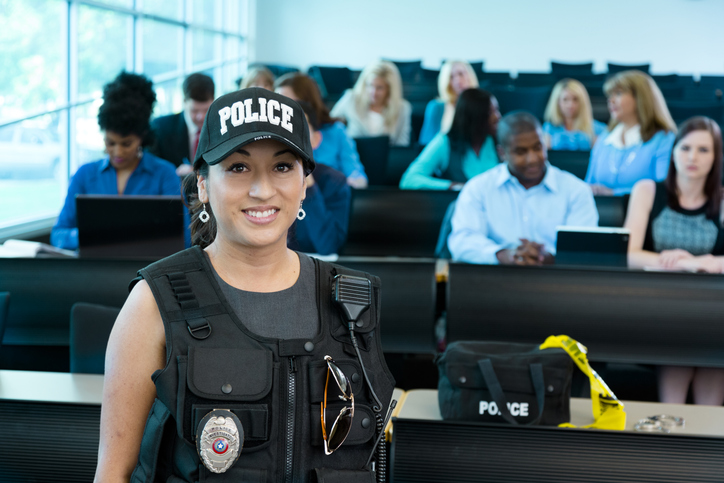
(494, 79)
(410, 70)
(575, 162)
(534, 79)
(373, 153)
(90, 327)
(571, 70)
(531, 99)
(393, 222)
(442, 250)
(332, 81)
(616, 68)
(408, 302)
(4, 305)
(399, 158)
(611, 210)
(683, 110)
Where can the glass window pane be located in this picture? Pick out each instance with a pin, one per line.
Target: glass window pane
(206, 47)
(33, 173)
(205, 12)
(104, 38)
(32, 49)
(118, 3)
(231, 15)
(169, 97)
(87, 137)
(164, 8)
(161, 45)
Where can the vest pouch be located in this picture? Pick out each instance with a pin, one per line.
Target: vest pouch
(318, 378)
(158, 436)
(233, 379)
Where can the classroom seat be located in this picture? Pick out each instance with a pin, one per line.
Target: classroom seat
(409, 294)
(534, 79)
(611, 210)
(4, 305)
(702, 93)
(494, 79)
(410, 70)
(90, 327)
(571, 70)
(392, 222)
(398, 160)
(531, 99)
(683, 110)
(420, 91)
(616, 68)
(332, 81)
(712, 80)
(575, 162)
(430, 75)
(373, 153)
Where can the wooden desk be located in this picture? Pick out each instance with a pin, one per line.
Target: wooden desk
(427, 449)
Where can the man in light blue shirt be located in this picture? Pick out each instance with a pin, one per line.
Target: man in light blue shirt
(510, 213)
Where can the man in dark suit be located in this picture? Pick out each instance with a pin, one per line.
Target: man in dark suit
(177, 135)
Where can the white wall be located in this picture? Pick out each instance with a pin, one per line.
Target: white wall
(684, 36)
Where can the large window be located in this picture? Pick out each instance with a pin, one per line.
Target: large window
(56, 57)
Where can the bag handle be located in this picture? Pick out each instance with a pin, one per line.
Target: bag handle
(608, 411)
(496, 390)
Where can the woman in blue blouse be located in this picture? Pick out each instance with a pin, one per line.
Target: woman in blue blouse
(468, 149)
(569, 123)
(128, 170)
(640, 139)
(455, 76)
(336, 149)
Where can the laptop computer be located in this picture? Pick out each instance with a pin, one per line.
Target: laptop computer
(592, 246)
(129, 226)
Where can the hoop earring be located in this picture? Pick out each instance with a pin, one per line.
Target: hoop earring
(204, 215)
(301, 214)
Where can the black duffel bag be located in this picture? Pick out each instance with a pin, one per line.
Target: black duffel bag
(504, 382)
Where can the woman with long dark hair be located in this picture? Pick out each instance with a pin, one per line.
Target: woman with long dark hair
(468, 149)
(230, 360)
(676, 224)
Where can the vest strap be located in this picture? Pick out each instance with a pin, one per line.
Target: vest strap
(199, 327)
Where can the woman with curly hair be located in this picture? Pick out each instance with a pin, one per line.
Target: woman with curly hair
(124, 119)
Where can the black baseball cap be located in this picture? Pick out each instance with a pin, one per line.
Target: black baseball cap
(249, 115)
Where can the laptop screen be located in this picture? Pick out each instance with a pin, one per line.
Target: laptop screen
(592, 246)
(129, 226)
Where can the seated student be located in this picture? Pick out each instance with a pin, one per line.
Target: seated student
(569, 123)
(510, 213)
(375, 107)
(323, 228)
(677, 224)
(337, 149)
(257, 76)
(641, 135)
(127, 170)
(466, 151)
(455, 77)
(177, 135)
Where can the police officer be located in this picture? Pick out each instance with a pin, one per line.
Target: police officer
(230, 361)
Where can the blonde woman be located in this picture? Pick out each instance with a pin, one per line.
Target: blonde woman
(641, 135)
(258, 76)
(569, 123)
(455, 77)
(375, 107)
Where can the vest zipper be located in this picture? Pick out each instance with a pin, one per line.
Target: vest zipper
(291, 405)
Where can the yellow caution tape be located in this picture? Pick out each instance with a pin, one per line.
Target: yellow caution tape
(608, 411)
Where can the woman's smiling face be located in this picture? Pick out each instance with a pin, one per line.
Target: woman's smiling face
(255, 194)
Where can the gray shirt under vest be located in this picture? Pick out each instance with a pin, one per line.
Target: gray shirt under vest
(287, 314)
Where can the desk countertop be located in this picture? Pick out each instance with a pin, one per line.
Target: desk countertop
(699, 420)
(57, 387)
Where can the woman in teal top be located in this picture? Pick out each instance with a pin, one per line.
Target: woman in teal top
(468, 149)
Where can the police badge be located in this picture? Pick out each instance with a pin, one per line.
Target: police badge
(219, 440)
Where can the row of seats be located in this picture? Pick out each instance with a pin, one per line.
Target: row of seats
(622, 316)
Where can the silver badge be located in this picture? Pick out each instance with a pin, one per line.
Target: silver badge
(219, 440)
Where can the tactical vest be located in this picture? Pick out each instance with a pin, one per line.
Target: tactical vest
(274, 386)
